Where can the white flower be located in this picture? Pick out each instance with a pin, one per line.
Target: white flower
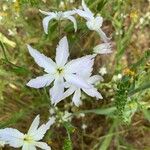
(60, 71)
(2, 143)
(119, 76)
(104, 48)
(93, 23)
(58, 16)
(52, 111)
(29, 141)
(67, 116)
(77, 91)
(103, 71)
(84, 126)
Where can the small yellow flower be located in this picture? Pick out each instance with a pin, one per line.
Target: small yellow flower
(134, 15)
(16, 6)
(127, 71)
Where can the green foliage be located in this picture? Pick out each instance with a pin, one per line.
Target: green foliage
(68, 143)
(30, 2)
(121, 96)
(100, 111)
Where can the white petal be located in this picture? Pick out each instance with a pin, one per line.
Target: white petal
(84, 14)
(76, 98)
(77, 65)
(40, 132)
(12, 137)
(34, 125)
(71, 18)
(103, 35)
(47, 13)
(28, 146)
(68, 92)
(93, 93)
(45, 22)
(104, 48)
(95, 23)
(41, 81)
(42, 145)
(77, 81)
(56, 92)
(62, 52)
(94, 79)
(86, 9)
(69, 13)
(43, 61)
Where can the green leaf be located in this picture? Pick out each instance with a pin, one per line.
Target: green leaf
(141, 88)
(142, 61)
(101, 4)
(70, 129)
(67, 144)
(105, 144)
(146, 114)
(102, 111)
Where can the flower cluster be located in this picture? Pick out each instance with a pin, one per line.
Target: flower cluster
(65, 76)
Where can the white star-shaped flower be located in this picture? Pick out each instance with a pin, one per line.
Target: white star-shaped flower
(61, 71)
(93, 23)
(58, 16)
(104, 48)
(28, 141)
(90, 92)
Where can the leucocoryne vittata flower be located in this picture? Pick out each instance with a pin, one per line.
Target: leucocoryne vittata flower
(28, 141)
(93, 23)
(104, 48)
(77, 91)
(58, 16)
(62, 72)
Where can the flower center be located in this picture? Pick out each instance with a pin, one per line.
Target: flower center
(60, 70)
(59, 15)
(28, 139)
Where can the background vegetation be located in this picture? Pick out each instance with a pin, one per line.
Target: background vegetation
(118, 122)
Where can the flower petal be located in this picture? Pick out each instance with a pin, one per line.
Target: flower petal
(40, 132)
(42, 145)
(45, 22)
(94, 79)
(77, 81)
(41, 81)
(86, 9)
(62, 52)
(69, 91)
(43, 61)
(34, 125)
(102, 35)
(104, 48)
(93, 93)
(47, 13)
(71, 18)
(85, 62)
(76, 98)
(69, 13)
(27, 146)
(57, 90)
(12, 137)
(83, 14)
